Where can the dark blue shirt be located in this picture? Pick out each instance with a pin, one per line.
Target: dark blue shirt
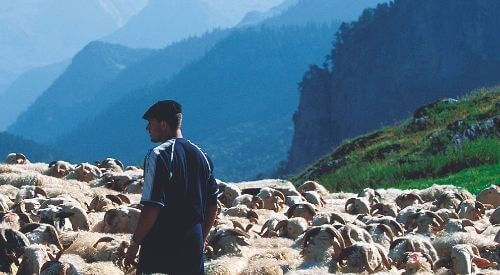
(178, 178)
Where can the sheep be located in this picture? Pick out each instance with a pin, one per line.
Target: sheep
(444, 242)
(459, 225)
(395, 226)
(490, 195)
(76, 214)
(291, 200)
(361, 257)
(359, 205)
(313, 186)
(34, 256)
(121, 219)
(408, 199)
(13, 243)
(320, 242)
(449, 200)
(39, 233)
(111, 164)
(353, 233)
(267, 229)
(462, 258)
(495, 216)
(225, 241)
(54, 266)
(385, 209)
(252, 202)
(16, 158)
(371, 195)
(85, 172)
(273, 199)
(425, 221)
(227, 193)
(100, 203)
(411, 243)
(415, 262)
(472, 210)
(304, 210)
(5, 203)
(327, 218)
(242, 211)
(52, 215)
(381, 234)
(293, 227)
(29, 192)
(59, 169)
(314, 198)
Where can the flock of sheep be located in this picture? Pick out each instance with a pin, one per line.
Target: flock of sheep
(61, 218)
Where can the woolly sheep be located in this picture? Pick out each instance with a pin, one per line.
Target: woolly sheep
(121, 219)
(85, 172)
(273, 199)
(16, 158)
(292, 228)
(411, 243)
(40, 233)
(495, 216)
(359, 205)
(313, 186)
(304, 210)
(361, 257)
(227, 193)
(490, 195)
(252, 202)
(111, 164)
(314, 198)
(470, 209)
(320, 242)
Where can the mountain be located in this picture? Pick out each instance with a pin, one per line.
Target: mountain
(25, 89)
(74, 95)
(33, 151)
(301, 12)
(162, 22)
(392, 60)
(449, 141)
(37, 33)
(237, 99)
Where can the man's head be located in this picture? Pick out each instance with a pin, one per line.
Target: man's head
(164, 120)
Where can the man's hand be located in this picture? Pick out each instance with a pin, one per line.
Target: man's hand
(130, 256)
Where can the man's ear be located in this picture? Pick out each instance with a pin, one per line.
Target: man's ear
(163, 125)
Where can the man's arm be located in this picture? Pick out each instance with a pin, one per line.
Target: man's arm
(147, 219)
(210, 216)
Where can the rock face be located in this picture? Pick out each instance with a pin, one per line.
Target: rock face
(394, 59)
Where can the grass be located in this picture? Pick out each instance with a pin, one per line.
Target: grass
(416, 156)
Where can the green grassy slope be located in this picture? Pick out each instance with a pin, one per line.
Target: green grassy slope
(421, 151)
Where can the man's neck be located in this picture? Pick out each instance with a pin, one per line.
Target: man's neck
(177, 134)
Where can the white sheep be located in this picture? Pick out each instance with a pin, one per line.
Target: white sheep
(122, 219)
(227, 193)
(361, 257)
(292, 228)
(490, 195)
(322, 242)
(313, 186)
(16, 158)
(273, 199)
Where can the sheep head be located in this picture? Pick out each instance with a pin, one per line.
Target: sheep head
(16, 158)
(312, 186)
(293, 227)
(358, 205)
(371, 195)
(462, 257)
(448, 200)
(490, 195)
(60, 169)
(404, 200)
(324, 237)
(364, 257)
(304, 210)
(413, 262)
(228, 241)
(472, 210)
(385, 209)
(425, 221)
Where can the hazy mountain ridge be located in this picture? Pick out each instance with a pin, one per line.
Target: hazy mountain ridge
(57, 111)
(413, 53)
(36, 33)
(218, 100)
(25, 89)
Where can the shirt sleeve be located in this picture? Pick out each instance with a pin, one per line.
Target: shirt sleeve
(155, 178)
(212, 187)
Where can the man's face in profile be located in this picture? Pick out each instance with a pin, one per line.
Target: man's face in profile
(156, 129)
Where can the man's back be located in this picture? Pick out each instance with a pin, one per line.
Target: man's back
(179, 180)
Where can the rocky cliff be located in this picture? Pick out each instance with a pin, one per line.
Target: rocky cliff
(395, 58)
